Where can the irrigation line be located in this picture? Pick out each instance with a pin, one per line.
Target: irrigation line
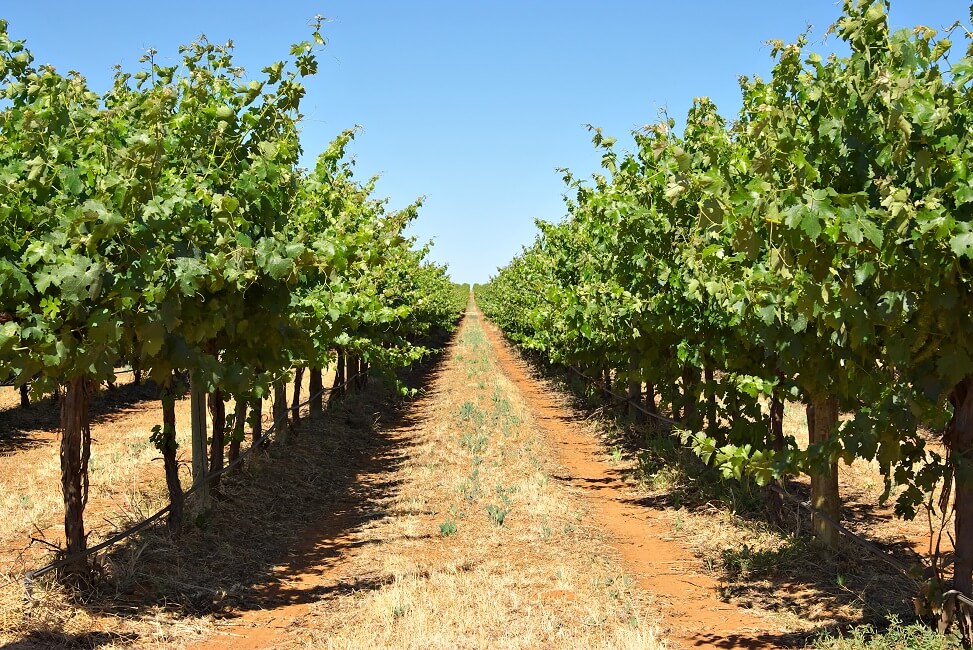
(861, 541)
(626, 399)
(30, 576)
(960, 596)
(855, 537)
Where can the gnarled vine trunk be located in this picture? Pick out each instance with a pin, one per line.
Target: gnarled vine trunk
(650, 398)
(296, 402)
(167, 446)
(239, 428)
(776, 430)
(634, 389)
(362, 374)
(256, 419)
(690, 395)
(710, 384)
(822, 420)
(959, 440)
(316, 386)
(217, 409)
(351, 370)
(339, 379)
(280, 411)
(197, 407)
(75, 452)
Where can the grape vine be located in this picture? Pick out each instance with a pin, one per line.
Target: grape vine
(817, 249)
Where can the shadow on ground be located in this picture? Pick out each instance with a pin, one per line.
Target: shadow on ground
(796, 577)
(25, 428)
(86, 641)
(290, 510)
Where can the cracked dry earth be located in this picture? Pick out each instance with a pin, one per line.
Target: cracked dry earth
(488, 518)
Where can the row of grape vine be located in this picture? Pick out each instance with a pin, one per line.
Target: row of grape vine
(167, 224)
(818, 248)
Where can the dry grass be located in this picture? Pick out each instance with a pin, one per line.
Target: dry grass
(347, 523)
(127, 481)
(127, 484)
(479, 548)
(125, 469)
(48, 616)
(9, 397)
(776, 568)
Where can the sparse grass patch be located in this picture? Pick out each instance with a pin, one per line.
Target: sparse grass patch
(498, 514)
(474, 443)
(447, 528)
(493, 585)
(746, 562)
(615, 455)
(470, 413)
(896, 636)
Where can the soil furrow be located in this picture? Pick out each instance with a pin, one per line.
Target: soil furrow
(695, 616)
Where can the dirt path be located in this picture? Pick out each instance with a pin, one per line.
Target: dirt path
(315, 567)
(457, 534)
(694, 615)
(489, 518)
(486, 513)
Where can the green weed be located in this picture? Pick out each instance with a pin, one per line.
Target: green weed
(447, 528)
(471, 486)
(497, 514)
(898, 636)
(616, 455)
(476, 444)
(469, 412)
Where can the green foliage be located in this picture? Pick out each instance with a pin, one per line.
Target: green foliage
(167, 221)
(447, 528)
(898, 636)
(497, 513)
(816, 246)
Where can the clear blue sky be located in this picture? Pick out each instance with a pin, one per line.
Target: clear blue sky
(470, 104)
